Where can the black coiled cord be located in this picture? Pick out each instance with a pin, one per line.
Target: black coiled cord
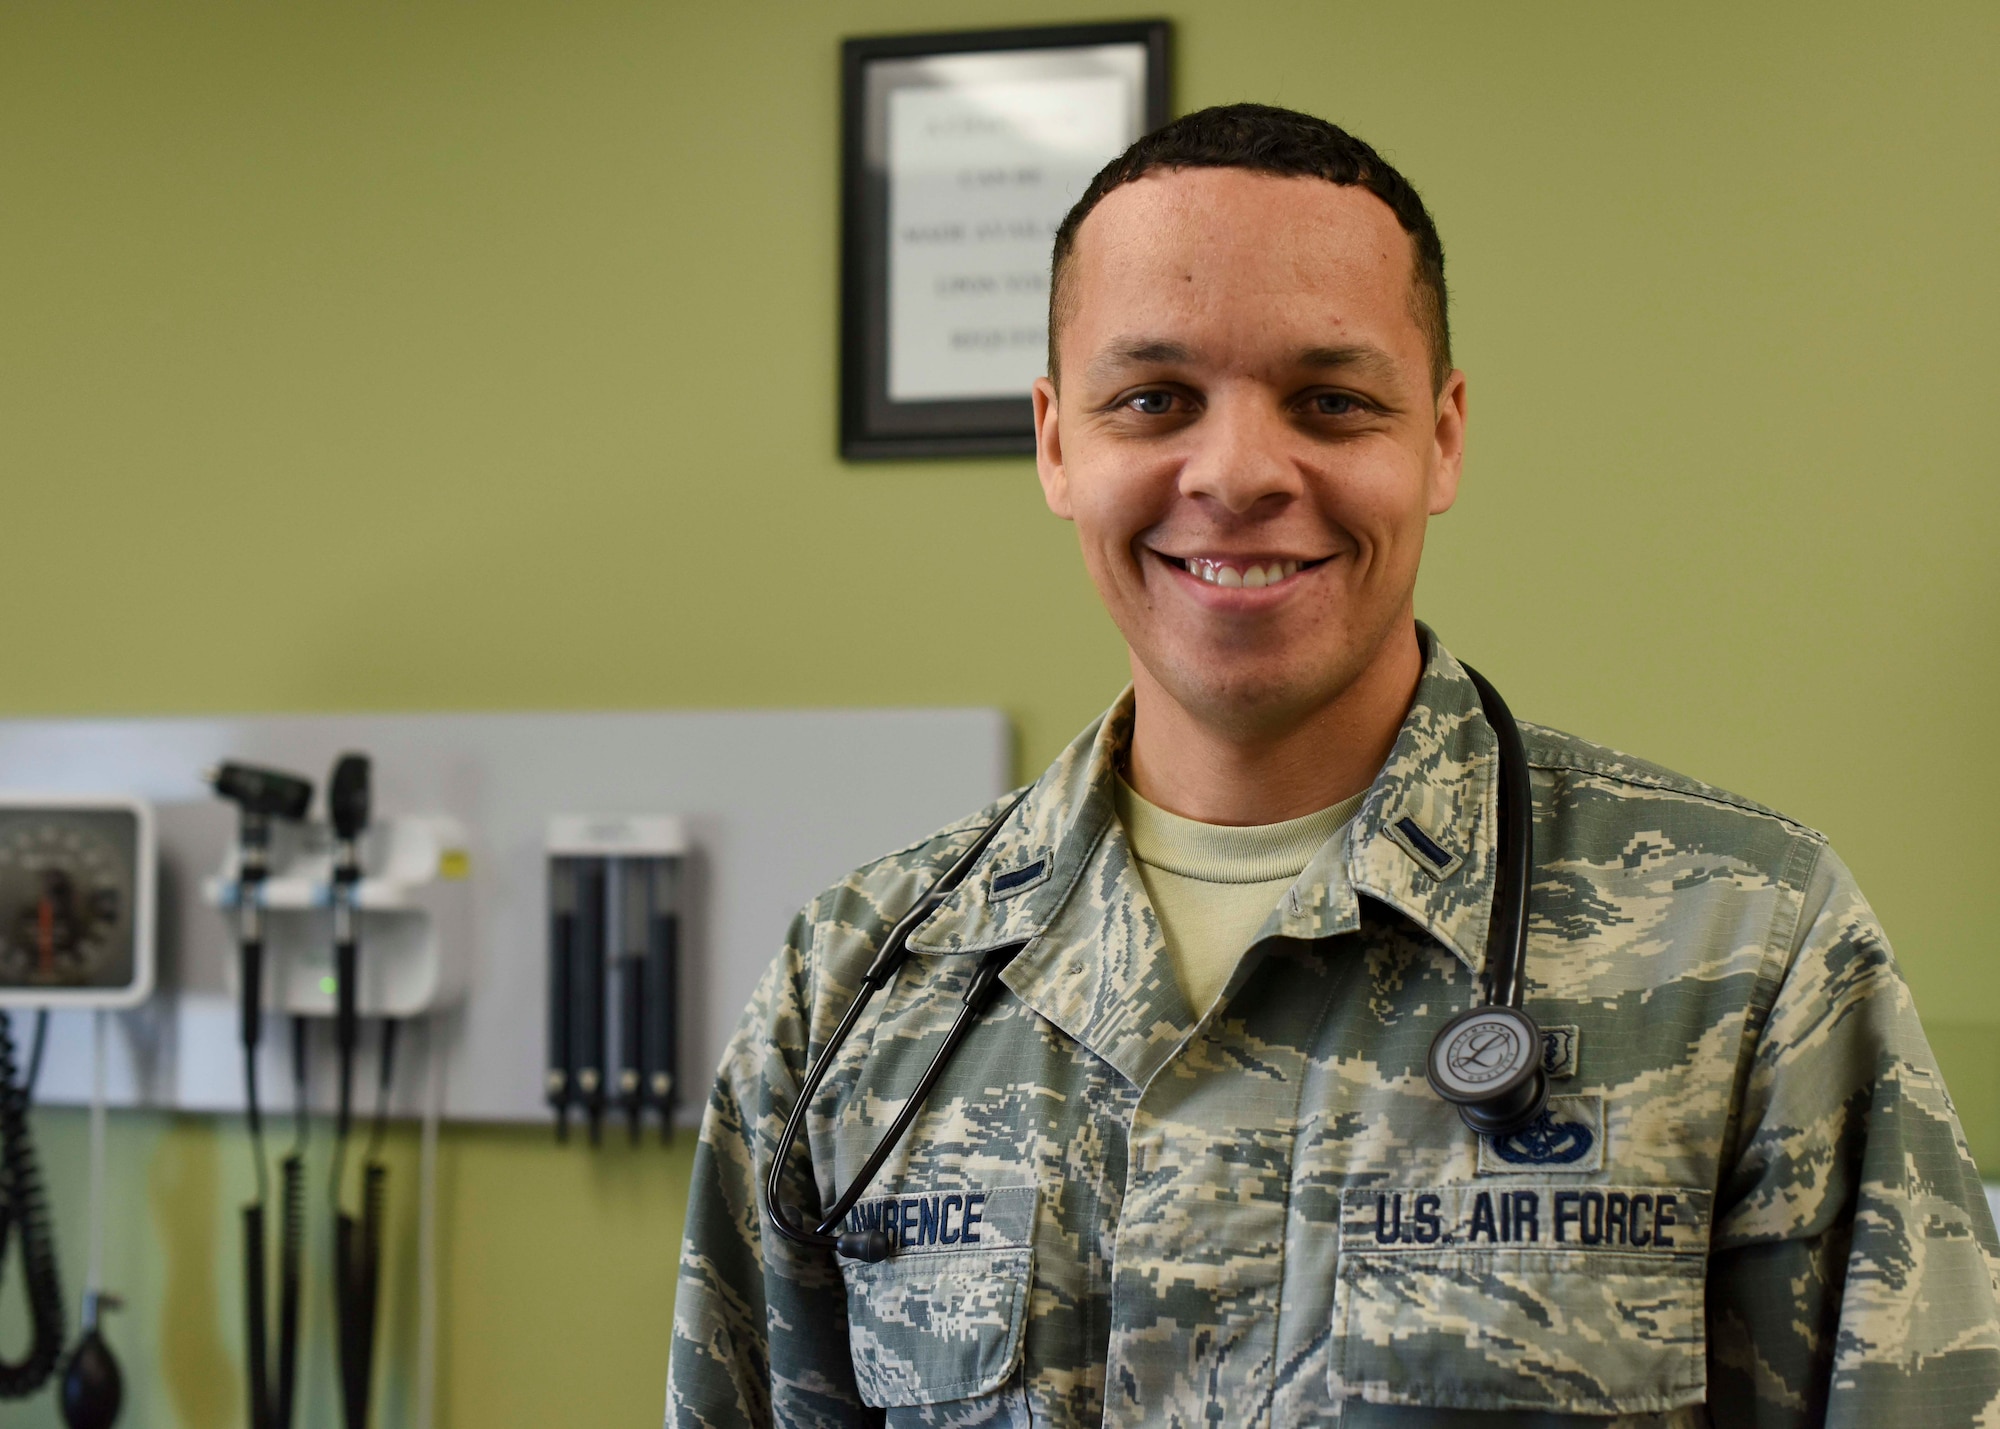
(24, 1209)
(358, 1252)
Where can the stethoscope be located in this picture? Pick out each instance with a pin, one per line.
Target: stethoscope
(1486, 1061)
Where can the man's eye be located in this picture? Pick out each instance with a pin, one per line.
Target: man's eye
(1151, 404)
(1334, 404)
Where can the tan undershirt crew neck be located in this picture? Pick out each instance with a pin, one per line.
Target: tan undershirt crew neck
(1212, 886)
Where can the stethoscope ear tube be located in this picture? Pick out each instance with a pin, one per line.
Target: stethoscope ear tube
(1487, 1061)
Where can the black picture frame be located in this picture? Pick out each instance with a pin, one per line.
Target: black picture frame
(875, 423)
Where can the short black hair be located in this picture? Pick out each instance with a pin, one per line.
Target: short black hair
(1267, 140)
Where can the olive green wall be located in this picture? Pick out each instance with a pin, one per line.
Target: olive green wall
(435, 355)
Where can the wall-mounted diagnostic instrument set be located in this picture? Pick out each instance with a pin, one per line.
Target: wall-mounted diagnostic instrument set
(76, 932)
(306, 898)
(425, 934)
(615, 889)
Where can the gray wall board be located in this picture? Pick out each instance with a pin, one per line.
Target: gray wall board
(779, 804)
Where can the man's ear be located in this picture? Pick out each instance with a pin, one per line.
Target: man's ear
(1048, 449)
(1449, 439)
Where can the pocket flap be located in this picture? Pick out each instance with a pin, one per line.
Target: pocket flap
(941, 1318)
(1575, 1300)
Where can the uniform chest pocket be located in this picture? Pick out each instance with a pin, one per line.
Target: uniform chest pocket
(942, 1318)
(1565, 1299)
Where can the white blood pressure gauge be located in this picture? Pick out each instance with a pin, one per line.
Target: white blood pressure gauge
(76, 901)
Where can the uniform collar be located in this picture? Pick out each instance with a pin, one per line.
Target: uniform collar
(1426, 839)
(1058, 877)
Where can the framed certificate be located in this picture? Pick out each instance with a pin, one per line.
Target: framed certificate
(961, 154)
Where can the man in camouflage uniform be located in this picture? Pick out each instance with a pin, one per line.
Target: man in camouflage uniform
(1749, 1200)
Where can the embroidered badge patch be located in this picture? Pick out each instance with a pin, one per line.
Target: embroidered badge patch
(1569, 1136)
(1559, 1048)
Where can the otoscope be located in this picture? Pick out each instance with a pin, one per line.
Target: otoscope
(357, 1244)
(260, 796)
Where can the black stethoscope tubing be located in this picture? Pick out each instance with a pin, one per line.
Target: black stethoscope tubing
(979, 994)
(1506, 967)
(1511, 1089)
(1510, 1097)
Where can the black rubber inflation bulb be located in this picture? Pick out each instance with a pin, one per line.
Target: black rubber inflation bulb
(93, 1391)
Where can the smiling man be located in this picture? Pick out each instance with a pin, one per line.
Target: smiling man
(1181, 1162)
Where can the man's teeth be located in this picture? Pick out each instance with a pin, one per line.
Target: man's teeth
(1254, 576)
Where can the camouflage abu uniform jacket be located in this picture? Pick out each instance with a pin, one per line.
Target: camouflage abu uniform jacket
(1750, 1203)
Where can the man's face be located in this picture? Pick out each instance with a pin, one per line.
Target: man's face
(1246, 435)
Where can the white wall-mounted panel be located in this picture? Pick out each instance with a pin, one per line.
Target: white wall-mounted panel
(777, 803)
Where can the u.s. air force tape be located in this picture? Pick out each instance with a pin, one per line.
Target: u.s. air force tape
(1658, 1220)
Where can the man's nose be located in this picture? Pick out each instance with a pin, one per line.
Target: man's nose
(1241, 460)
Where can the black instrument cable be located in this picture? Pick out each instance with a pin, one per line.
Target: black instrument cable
(24, 1210)
(358, 1250)
(292, 1235)
(271, 1402)
(35, 1054)
(261, 796)
(357, 1242)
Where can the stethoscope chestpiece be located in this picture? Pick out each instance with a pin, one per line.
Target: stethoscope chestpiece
(1487, 1062)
